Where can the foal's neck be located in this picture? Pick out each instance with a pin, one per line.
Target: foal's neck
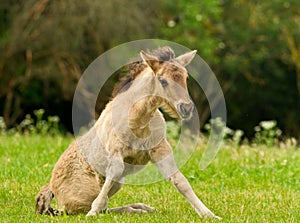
(141, 114)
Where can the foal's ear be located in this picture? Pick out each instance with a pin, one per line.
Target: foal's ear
(150, 60)
(186, 58)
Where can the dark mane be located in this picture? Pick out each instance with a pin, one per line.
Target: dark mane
(133, 69)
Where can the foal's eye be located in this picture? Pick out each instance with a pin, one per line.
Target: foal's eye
(163, 82)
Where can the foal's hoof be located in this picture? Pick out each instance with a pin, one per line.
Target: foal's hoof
(217, 217)
(142, 207)
(139, 208)
(208, 214)
(91, 213)
(212, 215)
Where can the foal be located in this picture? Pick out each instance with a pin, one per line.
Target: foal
(129, 133)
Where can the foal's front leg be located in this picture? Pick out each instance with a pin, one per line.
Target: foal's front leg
(163, 158)
(110, 187)
(113, 173)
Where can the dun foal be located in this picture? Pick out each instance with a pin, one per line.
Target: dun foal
(129, 133)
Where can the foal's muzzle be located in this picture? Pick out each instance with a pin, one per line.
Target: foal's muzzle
(185, 110)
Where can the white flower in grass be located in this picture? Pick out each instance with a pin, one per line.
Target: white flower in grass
(171, 23)
(268, 124)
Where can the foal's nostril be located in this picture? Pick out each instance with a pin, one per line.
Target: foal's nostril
(186, 108)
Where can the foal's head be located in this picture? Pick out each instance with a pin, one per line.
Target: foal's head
(171, 82)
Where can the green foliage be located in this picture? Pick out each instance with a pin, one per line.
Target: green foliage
(46, 46)
(258, 62)
(34, 125)
(252, 46)
(217, 126)
(267, 133)
(193, 24)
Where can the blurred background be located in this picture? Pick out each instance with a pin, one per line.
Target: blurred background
(253, 47)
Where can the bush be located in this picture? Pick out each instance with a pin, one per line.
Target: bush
(34, 125)
(267, 133)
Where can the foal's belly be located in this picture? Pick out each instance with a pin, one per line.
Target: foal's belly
(135, 161)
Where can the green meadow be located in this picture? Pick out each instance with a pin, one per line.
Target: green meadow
(244, 183)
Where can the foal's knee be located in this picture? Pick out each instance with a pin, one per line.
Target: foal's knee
(115, 168)
(180, 182)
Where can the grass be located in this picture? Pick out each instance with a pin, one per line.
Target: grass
(243, 184)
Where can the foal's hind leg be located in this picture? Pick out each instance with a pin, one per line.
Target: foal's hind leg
(131, 208)
(137, 208)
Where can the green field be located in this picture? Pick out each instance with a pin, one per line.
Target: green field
(243, 184)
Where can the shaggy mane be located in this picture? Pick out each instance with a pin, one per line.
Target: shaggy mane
(133, 69)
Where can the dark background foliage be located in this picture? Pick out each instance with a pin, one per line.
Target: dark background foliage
(253, 47)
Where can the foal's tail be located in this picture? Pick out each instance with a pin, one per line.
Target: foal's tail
(43, 201)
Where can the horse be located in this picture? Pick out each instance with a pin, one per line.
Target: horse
(129, 133)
